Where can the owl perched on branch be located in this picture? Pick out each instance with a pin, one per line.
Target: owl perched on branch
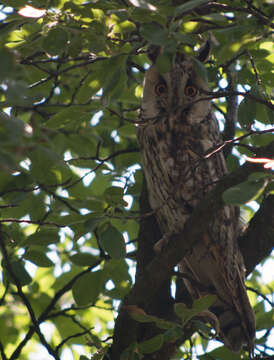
(176, 130)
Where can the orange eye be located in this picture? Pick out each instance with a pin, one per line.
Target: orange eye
(160, 88)
(191, 91)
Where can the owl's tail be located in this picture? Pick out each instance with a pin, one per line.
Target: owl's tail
(236, 321)
(236, 330)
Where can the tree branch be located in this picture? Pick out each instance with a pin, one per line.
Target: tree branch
(258, 240)
(161, 267)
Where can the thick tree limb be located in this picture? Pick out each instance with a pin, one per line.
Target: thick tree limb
(258, 240)
(161, 267)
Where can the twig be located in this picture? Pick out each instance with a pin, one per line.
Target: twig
(232, 111)
(8, 206)
(97, 157)
(60, 198)
(2, 352)
(18, 221)
(220, 94)
(62, 291)
(25, 301)
(260, 294)
(71, 337)
(5, 293)
(45, 314)
(219, 147)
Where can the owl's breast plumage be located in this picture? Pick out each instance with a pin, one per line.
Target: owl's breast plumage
(173, 156)
(174, 134)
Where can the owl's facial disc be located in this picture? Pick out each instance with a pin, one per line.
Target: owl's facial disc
(172, 92)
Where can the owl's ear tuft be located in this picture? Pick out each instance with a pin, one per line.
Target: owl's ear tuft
(153, 52)
(204, 52)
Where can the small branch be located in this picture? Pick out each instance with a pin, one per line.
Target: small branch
(97, 158)
(111, 156)
(58, 347)
(8, 206)
(62, 291)
(122, 117)
(258, 80)
(17, 351)
(2, 352)
(161, 267)
(91, 61)
(220, 147)
(25, 301)
(219, 94)
(45, 314)
(5, 293)
(232, 111)
(259, 14)
(13, 220)
(59, 198)
(260, 294)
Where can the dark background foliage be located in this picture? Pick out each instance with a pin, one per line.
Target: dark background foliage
(71, 180)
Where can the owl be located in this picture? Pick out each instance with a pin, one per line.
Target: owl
(175, 131)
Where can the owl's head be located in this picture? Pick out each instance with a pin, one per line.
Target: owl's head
(175, 93)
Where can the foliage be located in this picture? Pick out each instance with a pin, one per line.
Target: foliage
(71, 81)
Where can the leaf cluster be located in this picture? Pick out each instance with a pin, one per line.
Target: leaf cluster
(70, 174)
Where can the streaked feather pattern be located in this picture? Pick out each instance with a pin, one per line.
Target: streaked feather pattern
(175, 132)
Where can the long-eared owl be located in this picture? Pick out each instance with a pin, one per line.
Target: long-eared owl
(175, 131)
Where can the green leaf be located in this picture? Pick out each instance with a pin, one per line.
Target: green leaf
(154, 33)
(87, 288)
(68, 117)
(198, 306)
(56, 41)
(112, 241)
(203, 303)
(243, 192)
(174, 333)
(92, 222)
(11, 129)
(38, 258)
(200, 70)
(131, 353)
(7, 63)
(50, 171)
(151, 345)
(83, 259)
(247, 112)
(43, 237)
(265, 320)
(139, 315)
(19, 271)
(114, 77)
(114, 195)
(16, 93)
(190, 5)
(222, 353)
(201, 326)
(164, 63)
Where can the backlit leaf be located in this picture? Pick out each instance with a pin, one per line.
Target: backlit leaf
(243, 192)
